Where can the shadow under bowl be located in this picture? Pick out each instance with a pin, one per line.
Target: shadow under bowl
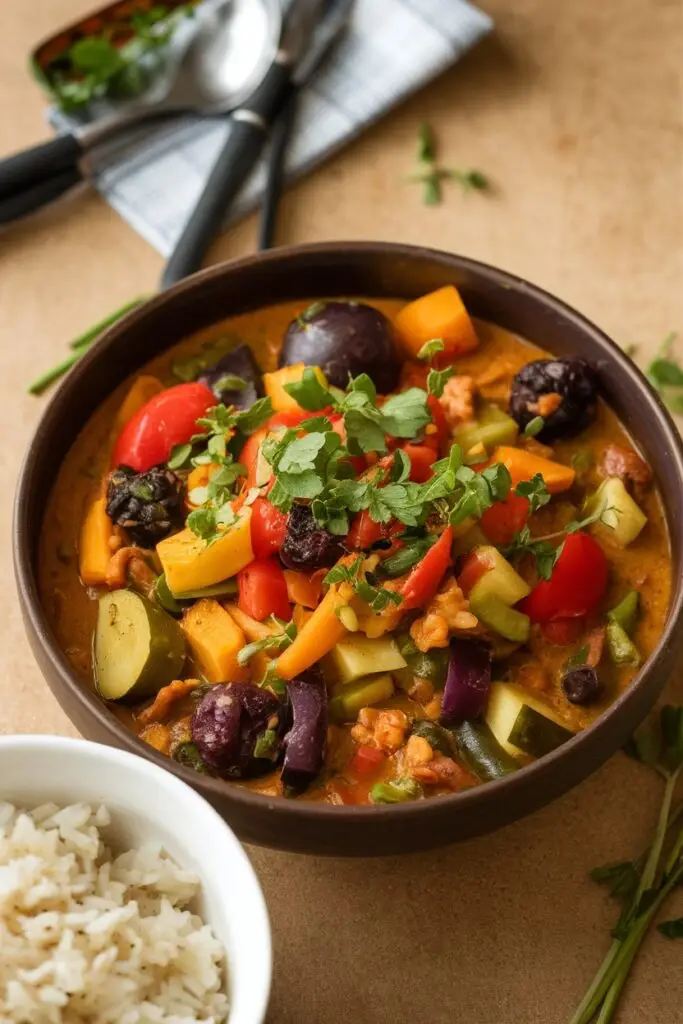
(375, 270)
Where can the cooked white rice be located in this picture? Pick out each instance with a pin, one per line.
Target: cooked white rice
(88, 938)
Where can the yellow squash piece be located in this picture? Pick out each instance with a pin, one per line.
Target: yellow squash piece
(94, 548)
(141, 390)
(214, 639)
(274, 384)
(190, 563)
(317, 638)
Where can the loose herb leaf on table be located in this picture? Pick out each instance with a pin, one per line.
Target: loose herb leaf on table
(430, 175)
(665, 373)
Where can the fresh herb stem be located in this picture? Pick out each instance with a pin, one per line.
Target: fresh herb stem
(79, 346)
(650, 870)
(42, 383)
(85, 339)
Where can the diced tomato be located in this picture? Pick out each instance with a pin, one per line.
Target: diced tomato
(268, 528)
(443, 432)
(422, 458)
(424, 580)
(563, 632)
(504, 519)
(167, 419)
(262, 590)
(366, 761)
(249, 456)
(305, 588)
(364, 532)
(474, 567)
(577, 585)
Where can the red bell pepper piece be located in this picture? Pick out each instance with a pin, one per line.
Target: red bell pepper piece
(422, 458)
(366, 761)
(424, 580)
(577, 585)
(443, 431)
(268, 528)
(167, 419)
(364, 532)
(262, 590)
(563, 632)
(504, 519)
(474, 567)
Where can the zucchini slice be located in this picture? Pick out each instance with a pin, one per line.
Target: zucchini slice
(138, 648)
(625, 519)
(494, 427)
(358, 656)
(506, 621)
(348, 700)
(481, 751)
(522, 724)
(501, 580)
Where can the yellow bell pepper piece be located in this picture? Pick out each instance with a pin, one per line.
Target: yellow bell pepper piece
(274, 385)
(214, 640)
(190, 563)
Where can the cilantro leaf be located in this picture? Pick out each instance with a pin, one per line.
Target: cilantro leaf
(180, 456)
(431, 349)
(404, 415)
(535, 491)
(437, 380)
(309, 393)
(672, 929)
(377, 598)
(250, 420)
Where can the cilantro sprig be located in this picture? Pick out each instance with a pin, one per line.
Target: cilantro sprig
(431, 175)
(277, 643)
(545, 553)
(642, 886)
(665, 373)
(364, 585)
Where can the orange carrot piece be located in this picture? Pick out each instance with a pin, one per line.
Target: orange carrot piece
(523, 466)
(165, 699)
(317, 637)
(304, 588)
(94, 546)
(440, 314)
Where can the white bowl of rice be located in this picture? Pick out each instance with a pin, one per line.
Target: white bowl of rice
(124, 897)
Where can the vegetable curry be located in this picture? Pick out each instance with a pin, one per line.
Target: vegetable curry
(356, 551)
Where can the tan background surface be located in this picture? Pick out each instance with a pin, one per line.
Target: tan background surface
(574, 109)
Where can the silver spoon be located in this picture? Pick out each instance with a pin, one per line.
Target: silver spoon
(215, 61)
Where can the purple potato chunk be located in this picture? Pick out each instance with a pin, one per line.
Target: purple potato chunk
(344, 338)
(238, 363)
(467, 684)
(229, 725)
(576, 382)
(305, 743)
(307, 546)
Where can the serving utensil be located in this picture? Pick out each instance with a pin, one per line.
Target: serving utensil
(214, 63)
(250, 125)
(333, 22)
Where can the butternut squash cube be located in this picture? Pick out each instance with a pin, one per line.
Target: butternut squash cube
(94, 549)
(214, 639)
(440, 314)
(190, 563)
(274, 384)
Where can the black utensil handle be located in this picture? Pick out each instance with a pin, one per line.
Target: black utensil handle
(34, 165)
(275, 172)
(32, 198)
(229, 173)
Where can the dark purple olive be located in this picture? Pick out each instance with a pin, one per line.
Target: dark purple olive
(467, 683)
(238, 363)
(573, 379)
(344, 338)
(307, 546)
(238, 728)
(306, 740)
(581, 685)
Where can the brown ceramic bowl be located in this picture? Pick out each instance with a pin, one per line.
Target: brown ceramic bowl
(373, 269)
